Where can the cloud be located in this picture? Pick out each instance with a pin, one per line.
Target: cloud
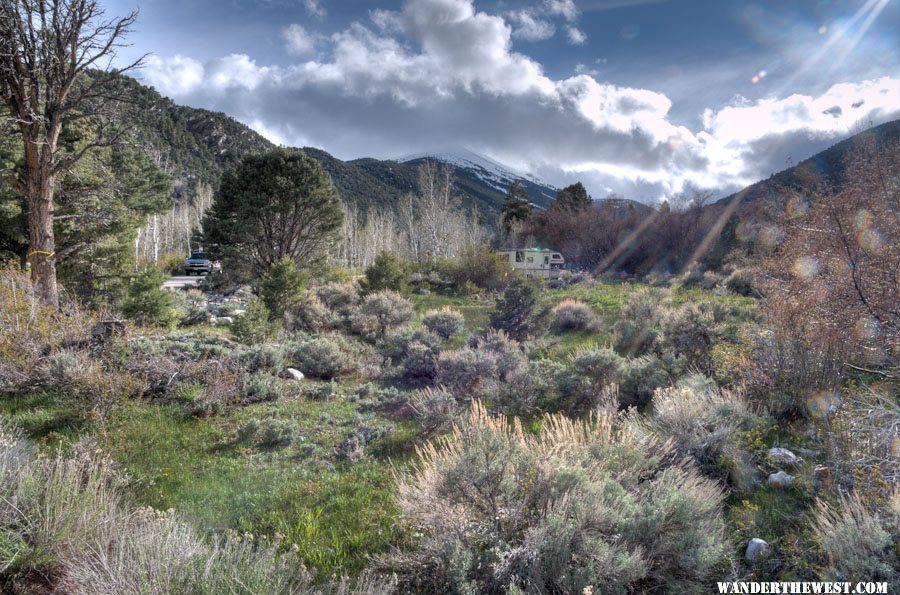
(438, 72)
(298, 40)
(564, 8)
(575, 36)
(315, 8)
(529, 26)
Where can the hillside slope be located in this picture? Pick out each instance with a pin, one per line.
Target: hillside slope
(747, 211)
(196, 145)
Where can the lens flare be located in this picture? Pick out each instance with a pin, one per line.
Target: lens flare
(797, 207)
(771, 235)
(806, 267)
(866, 328)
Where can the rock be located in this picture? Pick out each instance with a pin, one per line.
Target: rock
(808, 453)
(424, 292)
(238, 311)
(782, 456)
(295, 374)
(821, 477)
(223, 320)
(756, 549)
(780, 480)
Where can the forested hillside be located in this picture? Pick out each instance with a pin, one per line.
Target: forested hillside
(195, 145)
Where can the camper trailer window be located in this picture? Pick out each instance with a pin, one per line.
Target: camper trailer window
(546, 260)
(520, 256)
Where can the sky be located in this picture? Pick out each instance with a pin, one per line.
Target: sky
(644, 98)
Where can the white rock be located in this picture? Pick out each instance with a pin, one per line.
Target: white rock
(238, 311)
(756, 548)
(295, 374)
(223, 320)
(782, 456)
(780, 480)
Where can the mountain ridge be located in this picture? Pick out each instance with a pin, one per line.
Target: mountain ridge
(196, 145)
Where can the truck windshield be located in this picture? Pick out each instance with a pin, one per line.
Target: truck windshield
(198, 256)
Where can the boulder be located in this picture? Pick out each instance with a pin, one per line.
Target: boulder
(223, 320)
(295, 374)
(780, 480)
(782, 456)
(756, 549)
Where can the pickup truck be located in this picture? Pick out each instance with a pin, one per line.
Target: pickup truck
(198, 263)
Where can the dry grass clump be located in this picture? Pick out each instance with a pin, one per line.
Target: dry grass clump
(29, 332)
(580, 505)
(702, 424)
(857, 540)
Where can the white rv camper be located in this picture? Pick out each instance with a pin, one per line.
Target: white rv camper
(535, 262)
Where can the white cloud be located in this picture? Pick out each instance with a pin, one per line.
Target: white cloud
(575, 36)
(388, 21)
(315, 8)
(298, 40)
(440, 73)
(564, 8)
(529, 26)
(175, 77)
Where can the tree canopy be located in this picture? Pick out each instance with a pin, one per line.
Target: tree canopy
(270, 206)
(572, 198)
(516, 208)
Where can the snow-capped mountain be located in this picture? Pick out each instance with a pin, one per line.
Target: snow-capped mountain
(496, 175)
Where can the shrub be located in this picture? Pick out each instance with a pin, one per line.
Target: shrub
(688, 332)
(575, 507)
(312, 316)
(632, 339)
(785, 369)
(639, 377)
(389, 271)
(703, 424)
(857, 541)
(261, 357)
(147, 303)
(478, 267)
(572, 315)
(415, 352)
(253, 326)
(740, 282)
(380, 312)
(30, 330)
(634, 333)
(435, 408)
(467, 373)
(340, 298)
(268, 433)
(444, 323)
(517, 311)
(282, 287)
(259, 388)
(329, 356)
(92, 390)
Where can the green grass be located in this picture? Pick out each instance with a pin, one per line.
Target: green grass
(46, 417)
(333, 512)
